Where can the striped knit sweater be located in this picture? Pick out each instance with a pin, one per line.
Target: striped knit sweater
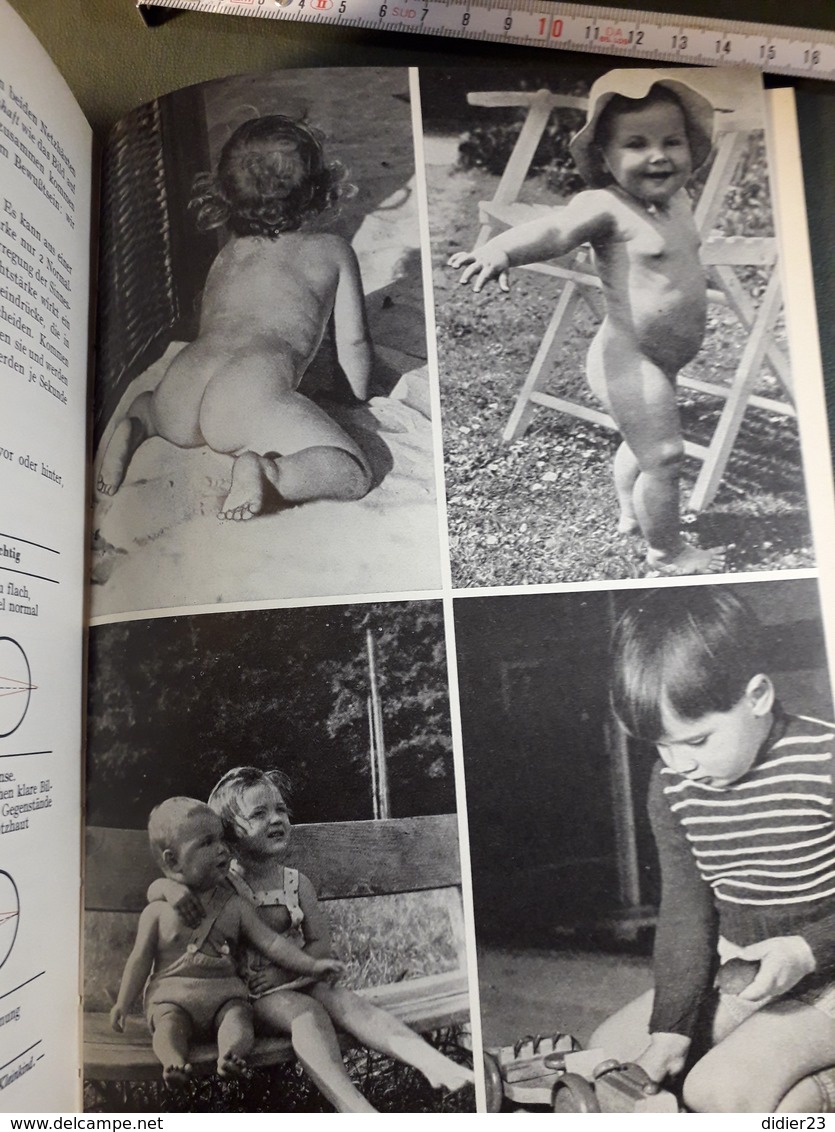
(749, 862)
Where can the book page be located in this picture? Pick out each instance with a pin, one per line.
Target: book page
(284, 625)
(45, 170)
(626, 435)
(642, 581)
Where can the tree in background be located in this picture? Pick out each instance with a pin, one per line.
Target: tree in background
(175, 702)
(411, 664)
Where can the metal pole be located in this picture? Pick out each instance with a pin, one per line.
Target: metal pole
(379, 740)
(372, 756)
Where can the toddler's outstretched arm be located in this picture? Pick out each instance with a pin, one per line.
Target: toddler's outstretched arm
(353, 341)
(138, 967)
(586, 219)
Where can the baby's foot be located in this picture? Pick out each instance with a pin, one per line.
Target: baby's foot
(451, 1076)
(127, 436)
(628, 524)
(230, 1065)
(246, 495)
(176, 1076)
(689, 560)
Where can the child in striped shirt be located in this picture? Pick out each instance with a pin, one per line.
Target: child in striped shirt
(741, 805)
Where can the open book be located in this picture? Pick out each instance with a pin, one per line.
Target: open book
(302, 502)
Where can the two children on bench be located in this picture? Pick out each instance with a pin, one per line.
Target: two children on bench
(283, 970)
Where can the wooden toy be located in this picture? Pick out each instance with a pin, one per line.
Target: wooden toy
(553, 1071)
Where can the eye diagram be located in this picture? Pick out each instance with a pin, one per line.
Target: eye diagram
(9, 915)
(16, 686)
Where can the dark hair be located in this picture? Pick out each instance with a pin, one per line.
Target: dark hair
(619, 104)
(226, 794)
(694, 649)
(270, 178)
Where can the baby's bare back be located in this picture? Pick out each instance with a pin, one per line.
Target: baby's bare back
(654, 282)
(273, 296)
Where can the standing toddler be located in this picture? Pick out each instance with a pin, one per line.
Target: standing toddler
(643, 139)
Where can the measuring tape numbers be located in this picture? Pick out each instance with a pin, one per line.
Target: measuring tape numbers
(651, 36)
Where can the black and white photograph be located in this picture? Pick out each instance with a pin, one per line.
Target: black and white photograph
(615, 380)
(649, 795)
(273, 898)
(417, 566)
(263, 411)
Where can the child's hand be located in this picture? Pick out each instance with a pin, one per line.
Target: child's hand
(486, 262)
(117, 1019)
(784, 960)
(180, 897)
(664, 1056)
(265, 979)
(328, 970)
(188, 907)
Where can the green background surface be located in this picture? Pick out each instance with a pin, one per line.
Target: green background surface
(113, 62)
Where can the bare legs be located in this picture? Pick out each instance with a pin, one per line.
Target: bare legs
(284, 444)
(625, 1034)
(133, 429)
(385, 1033)
(767, 1063)
(812, 1094)
(626, 472)
(314, 1042)
(309, 1019)
(762, 1064)
(642, 400)
(173, 1030)
(315, 473)
(171, 1039)
(235, 1038)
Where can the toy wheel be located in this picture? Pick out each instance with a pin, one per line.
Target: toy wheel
(493, 1083)
(606, 1067)
(573, 1093)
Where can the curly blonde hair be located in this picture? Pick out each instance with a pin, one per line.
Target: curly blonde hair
(271, 177)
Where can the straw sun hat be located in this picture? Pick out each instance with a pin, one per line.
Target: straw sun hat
(636, 84)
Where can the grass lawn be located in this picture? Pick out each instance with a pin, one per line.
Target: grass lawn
(543, 509)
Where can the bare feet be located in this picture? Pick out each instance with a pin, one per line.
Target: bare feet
(450, 1076)
(127, 436)
(689, 560)
(628, 524)
(246, 494)
(230, 1065)
(176, 1076)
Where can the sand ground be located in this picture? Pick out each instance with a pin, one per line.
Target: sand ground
(544, 992)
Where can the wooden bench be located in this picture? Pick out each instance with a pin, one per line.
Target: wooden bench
(342, 859)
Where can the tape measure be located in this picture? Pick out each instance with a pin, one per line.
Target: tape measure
(652, 36)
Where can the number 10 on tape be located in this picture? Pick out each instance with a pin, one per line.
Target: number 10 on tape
(642, 35)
